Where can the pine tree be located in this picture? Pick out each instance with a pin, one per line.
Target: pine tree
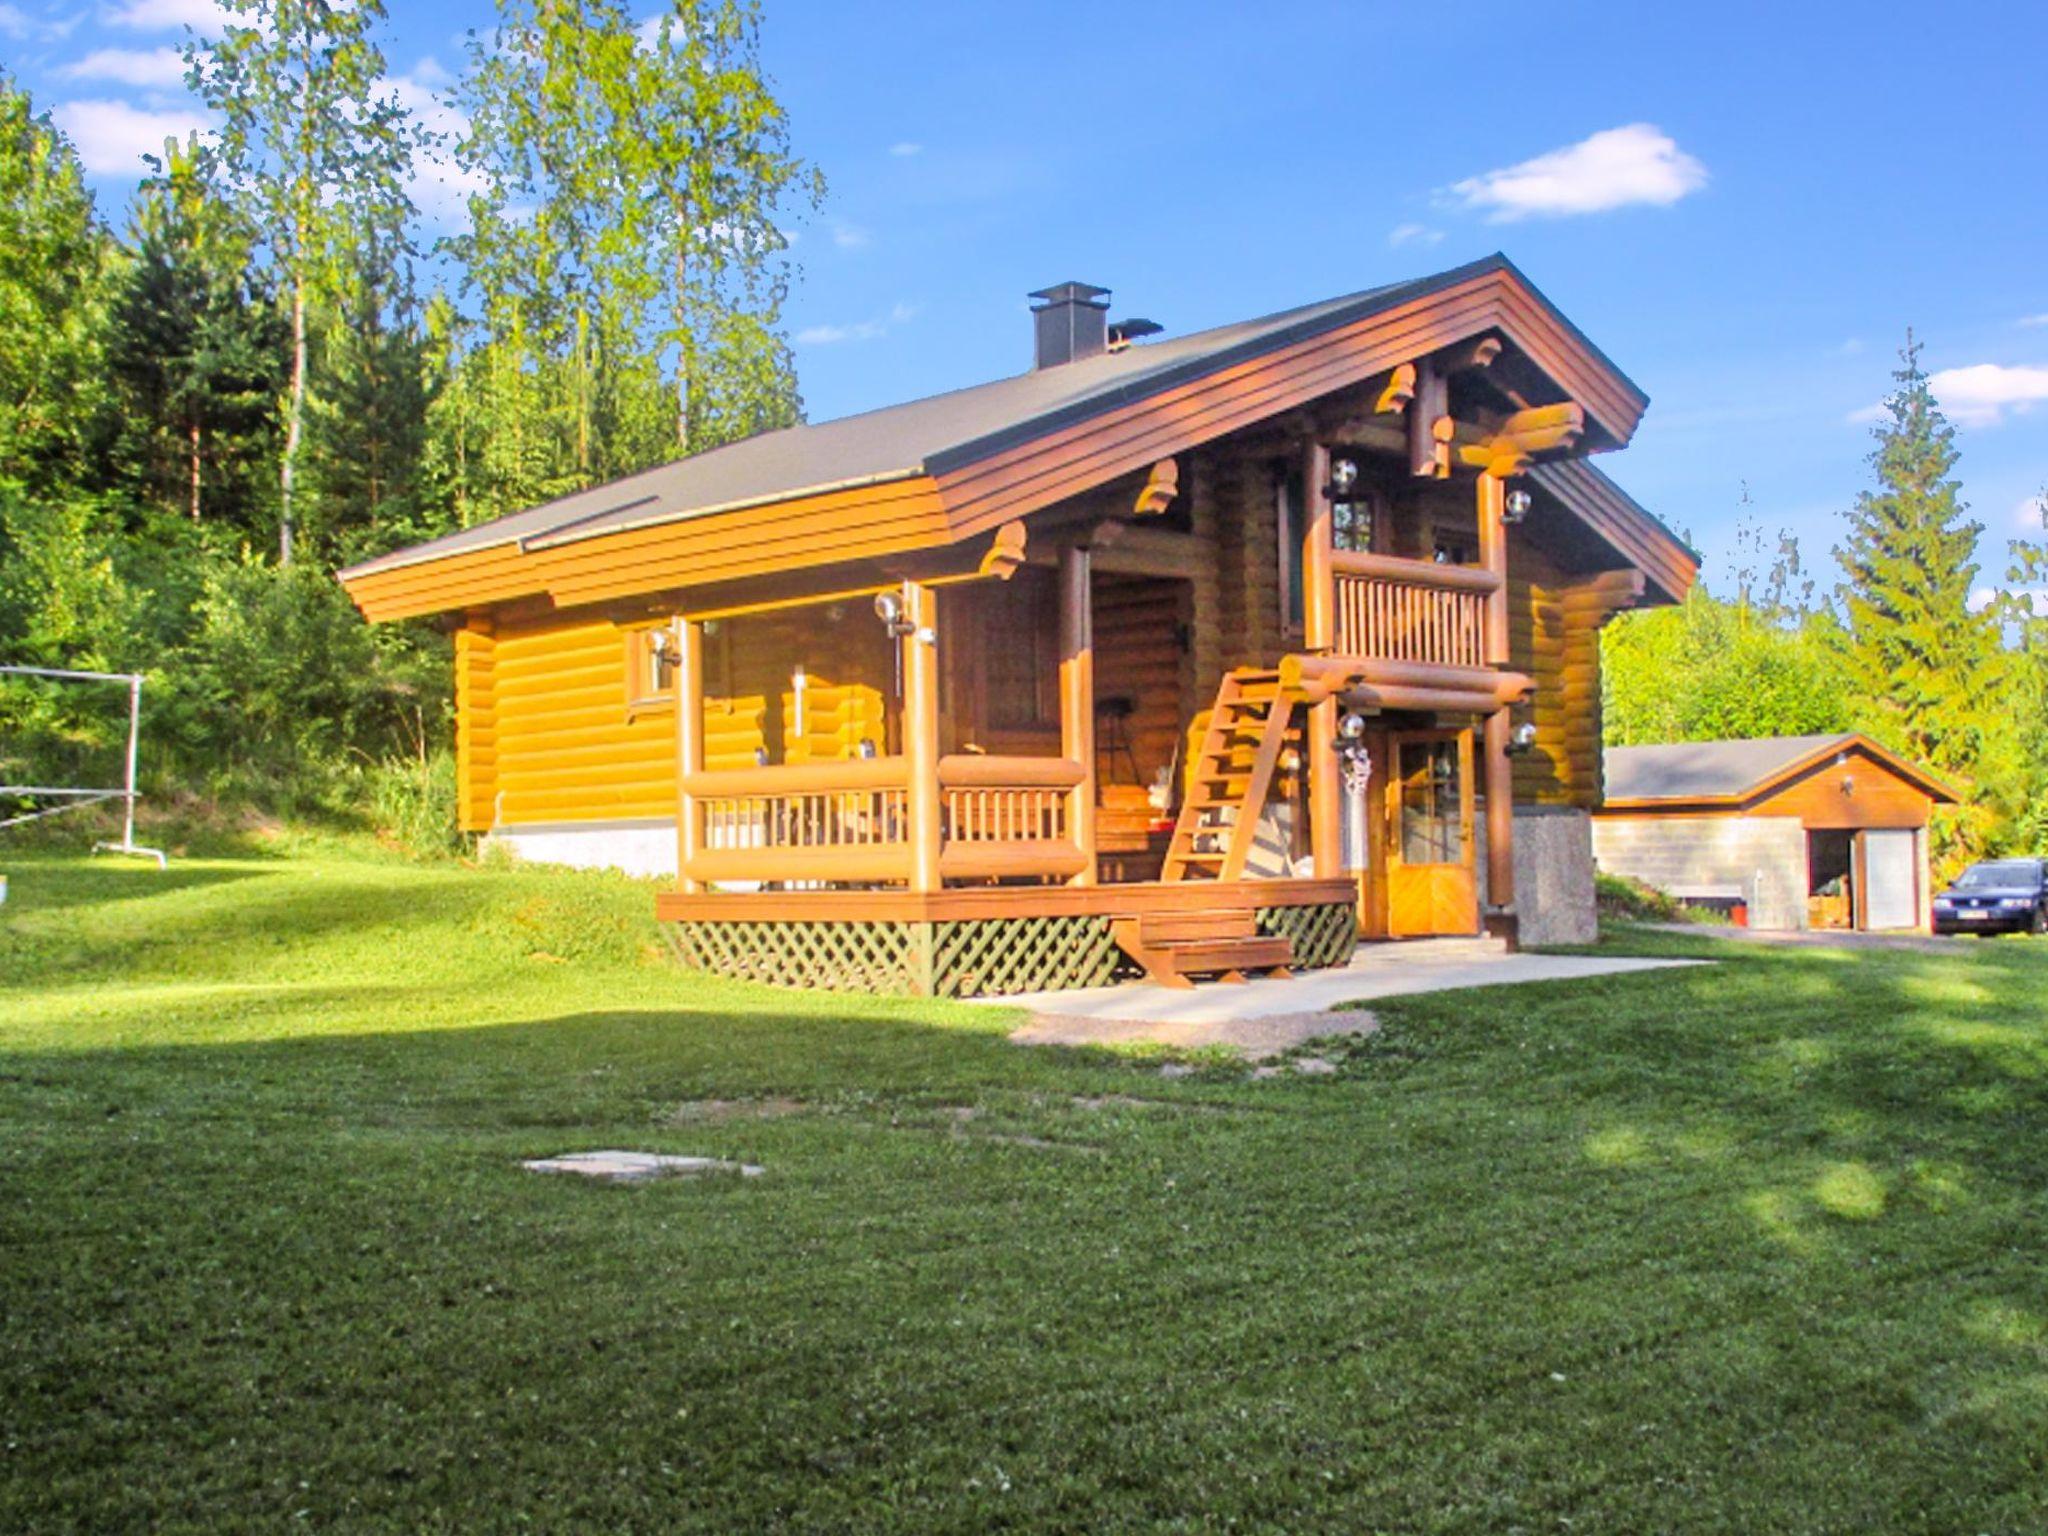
(197, 344)
(1925, 668)
(367, 419)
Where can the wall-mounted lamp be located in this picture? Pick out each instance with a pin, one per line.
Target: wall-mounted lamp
(1516, 506)
(1350, 730)
(661, 645)
(1343, 476)
(889, 609)
(1522, 740)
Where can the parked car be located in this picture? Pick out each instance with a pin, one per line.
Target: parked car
(1999, 896)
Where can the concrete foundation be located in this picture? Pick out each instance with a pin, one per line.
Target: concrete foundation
(1554, 901)
(645, 848)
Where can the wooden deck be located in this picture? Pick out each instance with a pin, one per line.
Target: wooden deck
(983, 940)
(980, 903)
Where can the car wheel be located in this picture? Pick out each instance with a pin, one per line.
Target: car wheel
(2040, 923)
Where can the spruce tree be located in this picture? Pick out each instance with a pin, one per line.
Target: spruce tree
(197, 344)
(1924, 668)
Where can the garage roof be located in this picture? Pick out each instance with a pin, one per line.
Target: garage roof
(1693, 771)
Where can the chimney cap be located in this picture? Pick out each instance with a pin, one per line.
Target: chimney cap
(1073, 293)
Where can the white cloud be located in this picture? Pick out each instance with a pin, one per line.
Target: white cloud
(1615, 168)
(1981, 394)
(860, 330)
(904, 149)
(112, 136)
(850, 237)
(1413, 234)
(2032, 320)
(2032, 599)
(2030, 514)
(202, 16)
(18, 25)
(440, 187)
(162, 68)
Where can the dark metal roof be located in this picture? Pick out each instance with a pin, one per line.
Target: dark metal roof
(926, 436)
(1711, 770)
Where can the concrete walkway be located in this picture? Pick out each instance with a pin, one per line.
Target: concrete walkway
(1262, 1017)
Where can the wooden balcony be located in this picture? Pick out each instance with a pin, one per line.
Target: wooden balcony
(1414, 611)
(849, 822)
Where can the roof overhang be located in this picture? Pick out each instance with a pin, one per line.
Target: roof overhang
(1785, 775)
(969, 489)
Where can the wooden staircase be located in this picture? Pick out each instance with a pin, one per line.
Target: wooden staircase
(1174, 947)
(1230, 777)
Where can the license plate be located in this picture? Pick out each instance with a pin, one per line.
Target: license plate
(1973, 917)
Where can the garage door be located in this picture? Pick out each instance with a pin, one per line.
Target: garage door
(1891, 881)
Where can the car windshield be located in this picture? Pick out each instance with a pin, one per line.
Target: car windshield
(2023, 873)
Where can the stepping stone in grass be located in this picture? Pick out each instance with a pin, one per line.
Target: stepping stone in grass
(633, 1167)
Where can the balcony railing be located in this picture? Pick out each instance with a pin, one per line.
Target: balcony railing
(1390, 609)
(849, 823)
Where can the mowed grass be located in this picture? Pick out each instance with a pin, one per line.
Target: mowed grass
(1750, 1248)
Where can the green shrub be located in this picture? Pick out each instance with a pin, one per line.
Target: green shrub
(1629, 900)
(411, 803)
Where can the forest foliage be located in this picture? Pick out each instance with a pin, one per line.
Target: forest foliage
(268, 364)
(1912, 644)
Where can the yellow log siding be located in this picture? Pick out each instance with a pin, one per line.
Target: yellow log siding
(476, 726)
(569, 748)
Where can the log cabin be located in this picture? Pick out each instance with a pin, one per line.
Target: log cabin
(1183, 656)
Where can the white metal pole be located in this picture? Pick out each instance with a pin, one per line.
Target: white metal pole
(134, 734)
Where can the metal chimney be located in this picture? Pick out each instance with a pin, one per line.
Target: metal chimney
(1073, 322)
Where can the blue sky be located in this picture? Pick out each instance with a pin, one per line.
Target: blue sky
(1744, 205)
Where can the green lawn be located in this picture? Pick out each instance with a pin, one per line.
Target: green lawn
(1760, 1247)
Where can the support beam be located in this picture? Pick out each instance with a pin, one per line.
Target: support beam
(1431, 430)
(688, 682)
(1493, 557)
(1319, 633)
(921, 731)
(1498, 768)
(1077, 700)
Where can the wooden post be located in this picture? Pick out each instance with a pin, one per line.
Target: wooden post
(1077, 699)
(1319, 633)
(1500, 774)
(921, 732)
(688, 683)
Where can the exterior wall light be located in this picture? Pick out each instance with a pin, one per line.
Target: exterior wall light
(1350, 728)
(1343, 476)
(1522, 740)
(889, 609)
(1516, 506)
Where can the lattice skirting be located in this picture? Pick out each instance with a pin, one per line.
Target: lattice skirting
(988, 957)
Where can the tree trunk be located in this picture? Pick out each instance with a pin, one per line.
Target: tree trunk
(195, 469)
(294, 414)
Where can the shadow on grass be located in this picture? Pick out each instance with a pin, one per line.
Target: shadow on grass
(1567, 1253)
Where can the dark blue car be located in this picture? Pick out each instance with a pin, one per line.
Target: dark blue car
(2001, 896)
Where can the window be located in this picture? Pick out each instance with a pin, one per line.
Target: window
(649, 671)
(1351, 522)
(1287, 518)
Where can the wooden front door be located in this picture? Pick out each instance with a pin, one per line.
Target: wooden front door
(1427, 838)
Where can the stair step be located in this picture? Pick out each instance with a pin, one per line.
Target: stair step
(1175, 928)
(1261, 953)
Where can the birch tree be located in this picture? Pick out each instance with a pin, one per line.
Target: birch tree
(314, 151)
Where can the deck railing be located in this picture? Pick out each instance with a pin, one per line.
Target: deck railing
(849, 822)
(1390, 609)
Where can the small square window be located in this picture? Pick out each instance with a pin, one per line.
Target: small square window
(649, 668)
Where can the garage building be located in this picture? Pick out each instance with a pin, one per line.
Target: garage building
(1804, 831)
